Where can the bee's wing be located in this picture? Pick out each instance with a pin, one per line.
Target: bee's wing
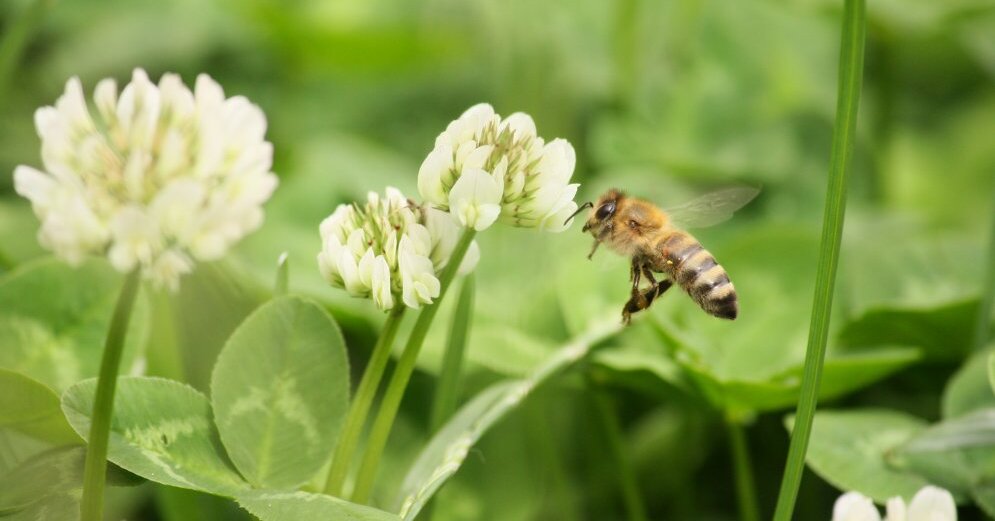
(712, 208)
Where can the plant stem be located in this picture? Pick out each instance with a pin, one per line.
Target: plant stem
(984, 320)
(360, 407)
(746, 492)
(452, 361)
(94, 471)
(848, 96)
(608, 415)
(15, 39)
(402, 373)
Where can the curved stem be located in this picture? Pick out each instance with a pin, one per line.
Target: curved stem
(746, 492)
(452, 361)
(361, 402)
(94, 471)
(402, 373)
(851, 68)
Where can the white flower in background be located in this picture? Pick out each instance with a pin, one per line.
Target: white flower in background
(929, 504)
(389, 250)
(484, 168)
(161, 177)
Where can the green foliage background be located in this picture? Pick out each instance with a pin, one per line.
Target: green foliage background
(666, 99)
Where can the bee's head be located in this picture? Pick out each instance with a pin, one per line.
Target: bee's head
(601, 212)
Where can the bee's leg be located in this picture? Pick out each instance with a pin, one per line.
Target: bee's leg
(643, 300)
(594, 249)
(648, 273)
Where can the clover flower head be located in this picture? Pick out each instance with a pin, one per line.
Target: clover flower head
(929, 504)
(156, 178)
(388, 249)
(485, 168)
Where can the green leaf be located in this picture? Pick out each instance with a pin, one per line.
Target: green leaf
(305, 506)
(850, 449)
(447, 450)
(162, 431)
(670, 359)
(52, 473)
(957, 454)
(280, 391)
(969, 389)
(943, 331)
(991, 371)
(32, 408)
(53, 320)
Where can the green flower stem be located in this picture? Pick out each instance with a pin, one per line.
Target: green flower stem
(608, 417)
(402, 373)
(452, 361)
(746, 492)
(851, 68)
(361, 402)
(984, 321)
(94, 471)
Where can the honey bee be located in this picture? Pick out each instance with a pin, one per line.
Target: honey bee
(648, 235)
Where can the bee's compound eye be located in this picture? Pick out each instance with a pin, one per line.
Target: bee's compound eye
(606, 210)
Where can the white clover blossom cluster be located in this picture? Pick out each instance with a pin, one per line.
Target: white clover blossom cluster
(484, 168)
(389, 248)
(161, 177)
(929, 504)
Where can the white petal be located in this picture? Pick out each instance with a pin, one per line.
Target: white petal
(475, 198)
(430, 175)
(522, 124)
(36, 186)
(932, 504)
(168, 268)
(853, 506)
(382, 295)
(896, 510)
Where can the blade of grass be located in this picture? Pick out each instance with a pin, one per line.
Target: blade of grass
(746, 491)
(984, 320)
(851, 68)
(282, 275)
(452, 362)
(15, 39)
(608, 418)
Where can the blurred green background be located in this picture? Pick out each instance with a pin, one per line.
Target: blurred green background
(666, 99)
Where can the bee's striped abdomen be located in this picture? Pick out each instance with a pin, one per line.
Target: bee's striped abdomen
(692, 267)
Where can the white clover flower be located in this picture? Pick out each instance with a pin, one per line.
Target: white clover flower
(389, 250)
(161, 177)
(484, 168)
(929, 504)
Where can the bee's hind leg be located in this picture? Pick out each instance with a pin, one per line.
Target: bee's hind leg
(643, 300)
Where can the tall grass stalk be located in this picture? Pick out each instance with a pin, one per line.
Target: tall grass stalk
(282, 282)
(402, 373)
(984, 320)
(15, 38)
(452, 362)
(851, 68)
(94, 470)
(359, 409)
(608, 418)
(746, 490)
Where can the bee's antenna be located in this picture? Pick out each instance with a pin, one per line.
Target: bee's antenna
(582, 207)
